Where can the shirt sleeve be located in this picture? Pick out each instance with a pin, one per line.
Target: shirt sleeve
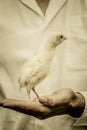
(82, 121)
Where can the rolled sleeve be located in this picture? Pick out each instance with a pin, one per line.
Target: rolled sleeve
(82, 121)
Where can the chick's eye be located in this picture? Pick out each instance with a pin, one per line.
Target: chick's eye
(61, 36)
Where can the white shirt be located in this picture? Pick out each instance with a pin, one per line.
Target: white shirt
(23, 29)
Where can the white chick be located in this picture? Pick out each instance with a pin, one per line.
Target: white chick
(36, 69)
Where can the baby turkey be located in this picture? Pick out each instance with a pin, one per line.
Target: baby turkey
(36, 69)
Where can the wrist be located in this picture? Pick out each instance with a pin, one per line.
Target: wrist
(77, 105)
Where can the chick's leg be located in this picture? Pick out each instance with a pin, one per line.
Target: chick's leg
(28, 92)
(35, 92)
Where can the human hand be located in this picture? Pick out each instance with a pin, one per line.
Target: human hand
(63, 101)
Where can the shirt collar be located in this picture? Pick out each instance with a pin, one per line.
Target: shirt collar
(32, 4)
(53, 8)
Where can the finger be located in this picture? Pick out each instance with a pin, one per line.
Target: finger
(27, 107)
(49, 101)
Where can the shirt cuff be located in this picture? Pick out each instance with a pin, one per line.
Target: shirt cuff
(82, 121)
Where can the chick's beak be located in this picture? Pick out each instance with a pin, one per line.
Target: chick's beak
(65, 38)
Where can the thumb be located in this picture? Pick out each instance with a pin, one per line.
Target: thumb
(47, 101)
(43, 100)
